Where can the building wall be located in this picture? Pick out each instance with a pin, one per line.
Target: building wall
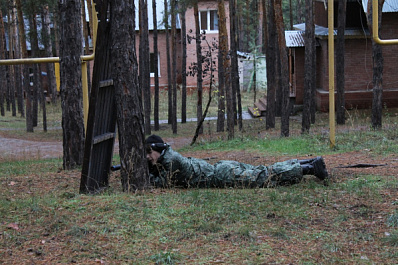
(191, 48)
(358, 69)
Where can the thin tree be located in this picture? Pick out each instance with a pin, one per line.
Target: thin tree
(48, 51)
(13, 48)
(230, 92)
(340, 50)
(377, 102)
(284, 68)
(34, 40)
(170, 96)
(183, 8)
(309, 69)
(3, 74)
(71, 87)
(86, 42)
(272, 65)
(234, 69)
(156, 69)
(223, 66)
(26, 85)
(199, 61)
(144, 63)
(134, 167)
(35, 69)
(174, 64)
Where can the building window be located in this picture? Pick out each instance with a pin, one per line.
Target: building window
(209, 20)
(152, 64)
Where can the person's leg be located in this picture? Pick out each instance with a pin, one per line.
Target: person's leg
(316, 167)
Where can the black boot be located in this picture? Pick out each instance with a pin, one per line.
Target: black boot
(315, 167)
(307, 161)
(320, 170)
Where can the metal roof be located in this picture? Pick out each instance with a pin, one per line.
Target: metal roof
(389, 6)
(294, 38)
(324, 32)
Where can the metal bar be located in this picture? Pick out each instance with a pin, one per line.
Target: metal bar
(375, 26)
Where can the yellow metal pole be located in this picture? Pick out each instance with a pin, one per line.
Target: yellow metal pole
(375, 26)
(85, 93)
(331, 74)
(57, 76)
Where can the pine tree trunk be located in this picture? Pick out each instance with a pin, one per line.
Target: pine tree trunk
(169, 89)
(156, 63)
(52, 86)
(284, 69)
(377, 102)
(134, 172)
(71, 48)
(3, 69)
(183, 65)
(14, 44)
(271, 61)
(35, 88)
(199, 67)
(37, 81)
(309, 86)
(340, 50)
(26, 85)
(223, 65)
(86, 43)
(144, 64)
(174, 64)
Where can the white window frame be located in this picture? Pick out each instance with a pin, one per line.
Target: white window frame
(208, 20)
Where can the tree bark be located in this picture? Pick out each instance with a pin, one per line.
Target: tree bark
(71, 48)
(86, 43)
(48, 47)
(271, 50)
(377, 102)
(174, 64)
(36, 85)
(284, 69)
(169, 89)
(3, 69)
(156, 63)
(14, 44)
(340, 64)
(134, 170)
(37, 81)
(144, 63)
(26, 85)
(199, 60)
(309, 70)
(223, 66)
(183, 64)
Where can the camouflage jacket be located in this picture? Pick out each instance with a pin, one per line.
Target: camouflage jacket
(174, 170)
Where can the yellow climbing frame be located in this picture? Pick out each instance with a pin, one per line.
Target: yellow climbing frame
(55, 60)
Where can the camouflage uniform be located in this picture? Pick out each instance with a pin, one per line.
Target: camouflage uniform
(175, 170)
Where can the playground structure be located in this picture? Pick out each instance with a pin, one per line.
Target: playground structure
(56, 60)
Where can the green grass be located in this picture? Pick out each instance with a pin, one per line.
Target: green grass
(201, 226)
(352, 220)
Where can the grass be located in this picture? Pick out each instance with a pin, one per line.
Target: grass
(352, 220)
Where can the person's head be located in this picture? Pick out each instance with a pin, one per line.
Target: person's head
(154, 146)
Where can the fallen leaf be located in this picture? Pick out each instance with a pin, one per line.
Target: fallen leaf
(12, 183)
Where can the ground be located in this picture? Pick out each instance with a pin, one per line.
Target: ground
(41, 245)
(12, 148)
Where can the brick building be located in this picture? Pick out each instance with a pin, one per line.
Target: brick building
(358, 56)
